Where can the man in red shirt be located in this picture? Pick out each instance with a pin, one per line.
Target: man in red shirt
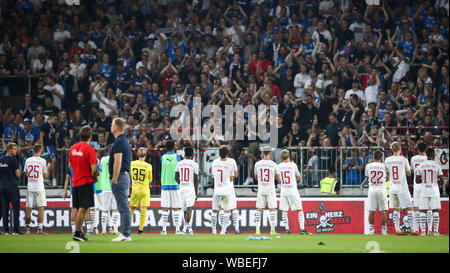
(83, 162)
(259, 66)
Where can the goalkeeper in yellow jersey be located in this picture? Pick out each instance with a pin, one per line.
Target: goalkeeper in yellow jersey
(141, 177)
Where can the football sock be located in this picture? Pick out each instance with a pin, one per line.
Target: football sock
(411, 219)
(220, 217)
(301, 220)
(72, 223)
(116, 220)
(416, 221)
(142, 218)
(213, 221)
(105, 216)
(176, 219)
(40, 225)
(258, 219)
(284, 215)
(383, 229)
(92, 212)
(165, 218)
(273, 220)
(429, 220)
(423, 222)
(436, 221)
(226, 219)
(371, 228)
(236, 220)
(396, 218)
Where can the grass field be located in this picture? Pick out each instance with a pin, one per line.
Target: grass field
(231, 243)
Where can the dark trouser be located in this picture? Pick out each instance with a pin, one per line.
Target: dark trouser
(10, 196)
(120, 192)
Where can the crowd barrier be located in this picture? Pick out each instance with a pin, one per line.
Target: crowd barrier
(322, 215)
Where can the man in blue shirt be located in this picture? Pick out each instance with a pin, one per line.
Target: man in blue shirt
(353, 168)
(119, 167)
(9, 191)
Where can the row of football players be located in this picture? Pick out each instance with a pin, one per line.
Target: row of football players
(423, 208)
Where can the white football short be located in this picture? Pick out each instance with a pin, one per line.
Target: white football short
(108, 201)
(36, 199)
(400, 200)
(262, 199)
(430, 203)
(292, 201)
(187, 199)
(416, 197)
(171, 199)
(222, 202)
(233, 201)
(98, 201)
(377, 199)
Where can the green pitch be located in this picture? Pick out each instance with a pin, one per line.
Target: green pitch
(231, 243)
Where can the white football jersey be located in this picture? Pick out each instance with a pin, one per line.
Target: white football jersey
(265, 172)
(288, 172)
(397, 166)
(222, 171)
(429, 171)
(376, 175)
(187, 168)
(415, 162)
(35, 168)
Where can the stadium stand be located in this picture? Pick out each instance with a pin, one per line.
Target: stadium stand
(343, 74)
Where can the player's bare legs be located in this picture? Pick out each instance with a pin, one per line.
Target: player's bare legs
(371, 222)
(28, 220)
(187, 219)
(82, 214)
(383, 222)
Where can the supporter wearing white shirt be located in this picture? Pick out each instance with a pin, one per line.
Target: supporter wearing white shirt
(300, 80)
(371, 92)
(323, 32)
(355, 90)
(233, 31)
(61, 34)
(57, 91)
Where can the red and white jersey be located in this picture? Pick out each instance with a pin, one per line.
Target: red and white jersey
(35, 168)
(376, 175)
(288, 172)
(222, 171)
(187, 168)
(415, 162)
(265, 172)
(429, 172)
(397, 166)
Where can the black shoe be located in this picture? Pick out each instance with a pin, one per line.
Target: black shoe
(304, 232)
(17, 233)
(140, 231)
(80, 237)
(288, 231)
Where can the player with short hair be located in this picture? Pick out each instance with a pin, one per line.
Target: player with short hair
(264, 172)
(186, 175)
(170, 190)
(428, 174)
(83, 162)
(223, 172)
(36, 170)
(415, 162)
(376, 175)
(141, 177)
(399, 198)
(287, 173)
(108, 200)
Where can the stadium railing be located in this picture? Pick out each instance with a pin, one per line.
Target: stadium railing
(19, 83)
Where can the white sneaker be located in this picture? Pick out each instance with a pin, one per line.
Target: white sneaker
(371, 233)
(436, 233)
(163, 232)
(121, 238)
(214, 232)
(223, 232)
(248, 181)
(178, 232)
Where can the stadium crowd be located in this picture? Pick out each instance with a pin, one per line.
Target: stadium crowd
(339, 70)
